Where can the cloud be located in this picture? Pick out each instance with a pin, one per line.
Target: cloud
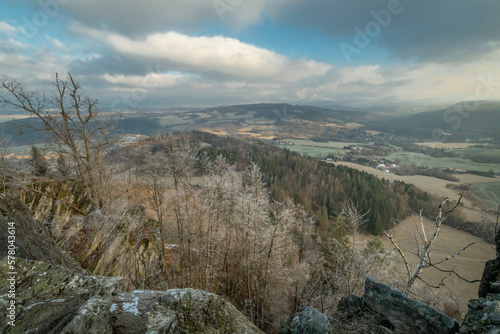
(447, 31)
(7, 29)
(215, 55)
(367, 73)
(136, 18)
(151, 80)
(182, 52)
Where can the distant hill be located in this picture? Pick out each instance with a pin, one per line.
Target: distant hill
(282, 111)
(461, 121)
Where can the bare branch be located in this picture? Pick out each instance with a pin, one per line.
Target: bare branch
(449, 257)
(453, 271)
(432, 285)
(400, 252)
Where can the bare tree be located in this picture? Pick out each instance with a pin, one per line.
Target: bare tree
(344, 263)
(423, 250)
(71, 119)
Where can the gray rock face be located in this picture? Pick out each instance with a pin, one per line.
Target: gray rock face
(406, 314)
(307, 321)
(490, 282)
(32, 240)
(483, 314)
(92, 317)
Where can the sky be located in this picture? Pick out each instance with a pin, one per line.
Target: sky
(133, 54)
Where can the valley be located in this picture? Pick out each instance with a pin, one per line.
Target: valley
(314, 163)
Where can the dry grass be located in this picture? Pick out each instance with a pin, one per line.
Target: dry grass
(469, 264)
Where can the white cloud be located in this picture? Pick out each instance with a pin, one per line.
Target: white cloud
(451, 82)
(57, 43)
(151, 80)
(218, 54)
(365, 73)
(7, 29)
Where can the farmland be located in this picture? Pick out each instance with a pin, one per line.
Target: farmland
(316, 149)
(423, 160)
(471, 209)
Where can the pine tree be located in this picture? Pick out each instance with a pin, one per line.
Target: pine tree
(62, 166)
(37, 160)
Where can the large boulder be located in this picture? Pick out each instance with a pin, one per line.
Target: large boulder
(176, 311)
(406, 314)
(32, 240)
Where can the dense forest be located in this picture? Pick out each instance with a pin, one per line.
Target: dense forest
(322, 188)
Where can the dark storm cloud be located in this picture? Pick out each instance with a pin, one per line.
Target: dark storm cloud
(137, 18)
(427, 31)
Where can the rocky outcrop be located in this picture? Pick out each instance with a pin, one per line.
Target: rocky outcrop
(55, 299)
(381, 310)
(48, 296)
(483, 314)
(32, 240)
(52, 294)
(406, 314)
(308, 320)
(490, 282)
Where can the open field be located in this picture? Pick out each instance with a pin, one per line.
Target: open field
(470, 263)
(488, 193)
(420, 159)
(471, 209)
